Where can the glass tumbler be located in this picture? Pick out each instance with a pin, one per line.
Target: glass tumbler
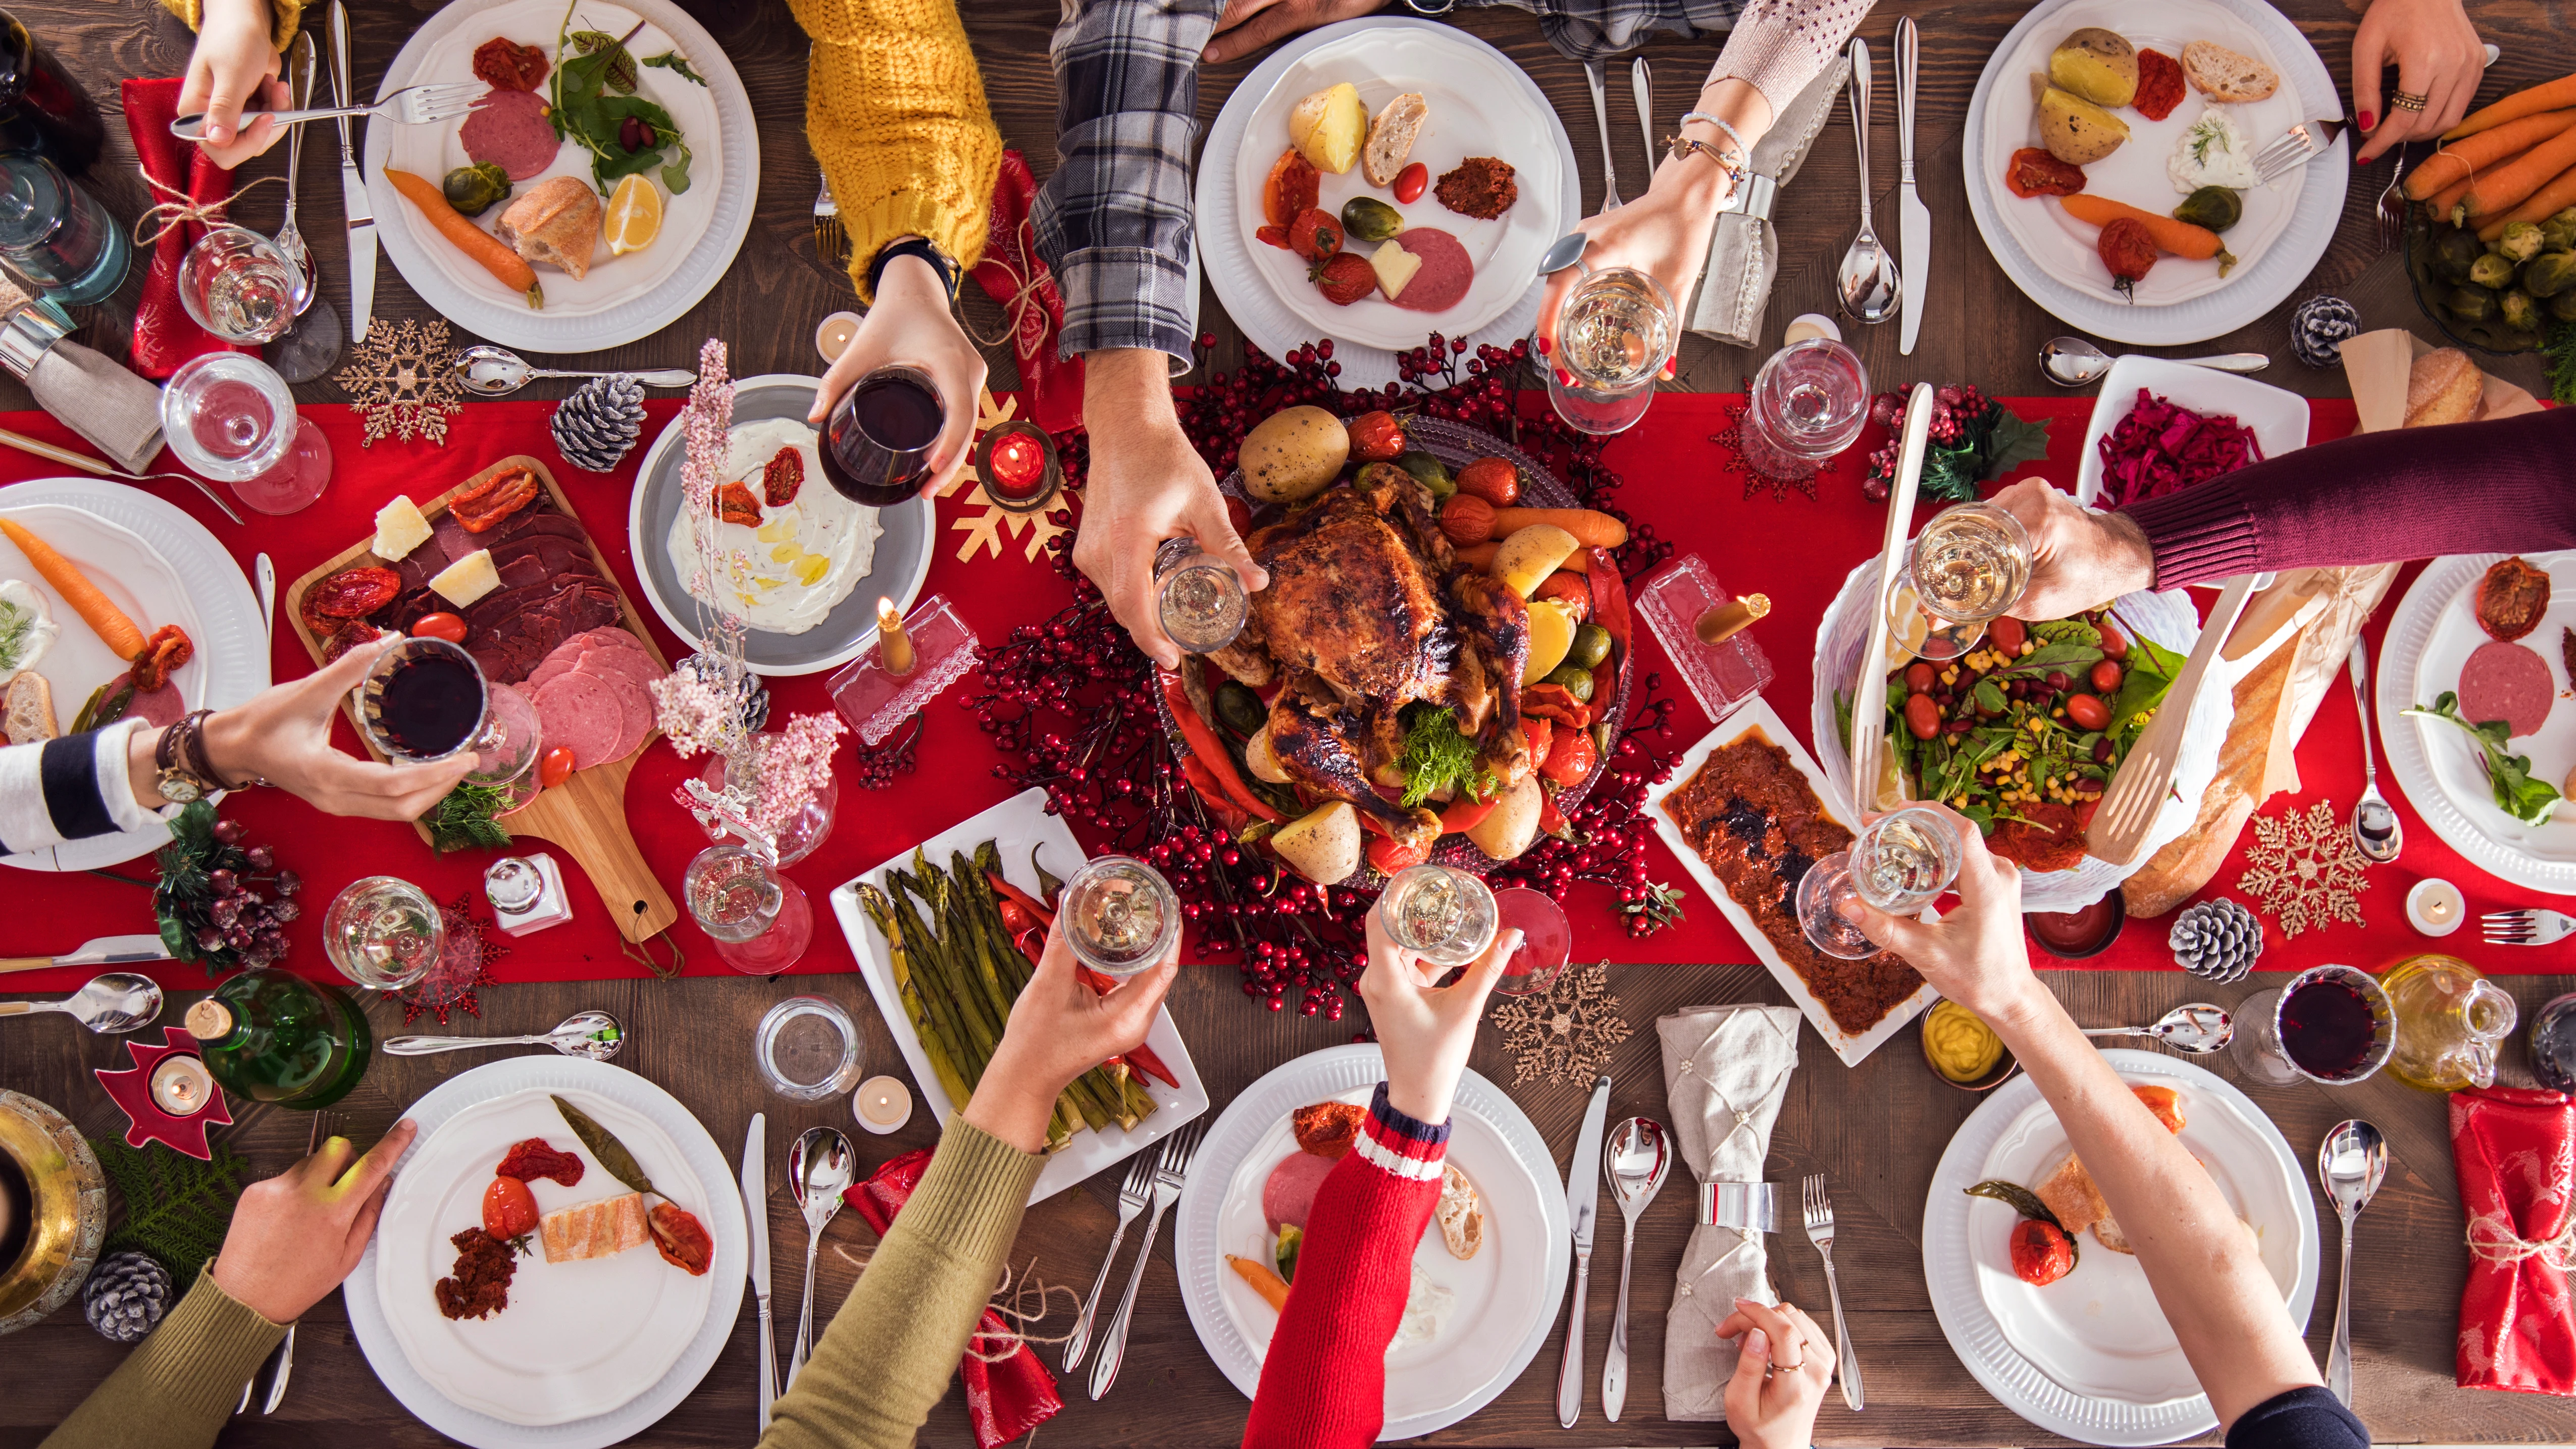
(1809, 402)
(807, 1048)
(1614, 333)
(228, 416)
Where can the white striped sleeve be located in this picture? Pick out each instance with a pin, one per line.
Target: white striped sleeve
(68, 789)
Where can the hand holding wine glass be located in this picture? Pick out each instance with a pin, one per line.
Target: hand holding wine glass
(283, 735)
(898, 405)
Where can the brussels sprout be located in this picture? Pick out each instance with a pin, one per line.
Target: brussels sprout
(2453, 251)
(2558, 233)
(2549, 274)
(1591, 646)
(1430, 472)
(2214, 207)
(2520, 241)
(2470, 304)
(476, 189)
(1239, 709)
(2516, 310)
(2494, 270)
(1576, 679)
(2563, 306)
(1365, 218)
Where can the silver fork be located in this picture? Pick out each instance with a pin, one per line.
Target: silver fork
(1169, 1173)
(1133, 1194)
(281, 1360)
(2297, 146)
(299, 74)
(2528, 927)
(1819, 1211)
(832, 243)
(2392, 206)
(410, 106)
(1601, 116)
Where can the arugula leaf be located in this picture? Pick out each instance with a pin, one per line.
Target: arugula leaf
(1437, 757)
(2149, 674)
(672, 60)
(2508, 775)
(1990, 695)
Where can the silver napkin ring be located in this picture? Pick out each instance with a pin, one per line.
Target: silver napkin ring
(1747, 1206)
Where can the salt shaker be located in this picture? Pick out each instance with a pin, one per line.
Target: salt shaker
(527, 893)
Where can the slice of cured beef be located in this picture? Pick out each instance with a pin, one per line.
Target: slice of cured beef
(2506, 682)
(581, 713)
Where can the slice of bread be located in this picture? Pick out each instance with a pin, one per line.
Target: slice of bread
(1461, 1216)
(31, 709)
(1390, 138)
(555, 222)
(2070, 1193)
(2108, 1234)
(2224, 75)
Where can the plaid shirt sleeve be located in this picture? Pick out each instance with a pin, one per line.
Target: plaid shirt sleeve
(1599, 29)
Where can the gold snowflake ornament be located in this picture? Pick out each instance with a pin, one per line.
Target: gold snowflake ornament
(2305, 869)
(1566, 1033)
(985, 530)
(401, 381)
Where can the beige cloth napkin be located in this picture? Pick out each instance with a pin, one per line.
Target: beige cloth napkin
(96, 397)
(1725, 1070)
(1744, 254)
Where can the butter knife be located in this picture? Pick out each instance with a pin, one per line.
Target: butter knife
(104, 951)
(755, 1206)
(353, 186)
(264, 575)
(1641, 80)
(1583, 1209)
(1913, 218)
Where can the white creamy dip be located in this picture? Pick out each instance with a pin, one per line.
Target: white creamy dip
(2211, 152)
(787, 574)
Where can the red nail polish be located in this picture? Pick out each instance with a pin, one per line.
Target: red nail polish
(1564, 378)
(2370, 120)
(1542, 347)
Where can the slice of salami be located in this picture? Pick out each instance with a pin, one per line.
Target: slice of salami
(578, 711)
(612, 637)
(2506, 682)
(635, 716)
(510, 130)
(1446, 274)
(160, 708)
(627, 664)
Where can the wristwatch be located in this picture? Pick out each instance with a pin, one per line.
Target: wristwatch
(949, 272)
(181, 761)
(1419, 8)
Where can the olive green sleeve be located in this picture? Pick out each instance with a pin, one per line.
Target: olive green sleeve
(180, 1384)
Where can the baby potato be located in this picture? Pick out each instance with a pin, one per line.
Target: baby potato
(2075, 130)
(2099, 65)
(1293, 455)
(1322, 845)
(1511, 827)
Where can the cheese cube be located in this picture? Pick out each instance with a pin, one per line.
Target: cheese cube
(399, 529)
(467, 579)
(1394, 267)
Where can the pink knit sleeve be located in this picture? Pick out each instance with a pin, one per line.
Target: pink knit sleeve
(1778, 46)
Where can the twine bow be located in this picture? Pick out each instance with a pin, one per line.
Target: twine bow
(1009, 1300)
(2492, 1239)
(1015, 311)
(178, 209)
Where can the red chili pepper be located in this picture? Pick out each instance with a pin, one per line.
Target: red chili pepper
(1556, 702)
(1609, 598)
(1144, 1060)
(1228, 814)
(1015, 898)
(1551, 821)
(1464, 814)
(1207, 750)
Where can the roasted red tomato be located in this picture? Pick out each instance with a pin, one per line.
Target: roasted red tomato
(1376, 438)
(1493, 479)
(1294, 185)
(2087, 711)
(1344, 278)
(736, 503)
(352, 593)
(555, 767)
(2033, 172)
(2160, 86)
(1391, 856)
(2041, 1253)
(680, 1239)
(1315, 234)
(1276, 236)
(1570, 757)
(784, 474)
(509, 1209)
(535, 1158)
(2129, 250)
(450, 627)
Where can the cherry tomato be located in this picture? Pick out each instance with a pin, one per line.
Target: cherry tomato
(2114, 643)
(509, 1209)
(2106, 677)
(2008, 634)
(1919, 677)
(1390, 857)
(2087, 711)
(449, 627)
(1922, 716)
(1411, 182)
(555, 767)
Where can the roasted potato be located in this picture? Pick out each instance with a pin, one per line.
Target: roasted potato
(1511, 827)
(2099, 65)
(1262, 760)
(1525, 559)
(1323, 845)
(1329, 127)
(2075, 130)
(1294, 455)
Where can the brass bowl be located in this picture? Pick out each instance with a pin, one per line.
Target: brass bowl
(66, 1207)
(2001, 1072)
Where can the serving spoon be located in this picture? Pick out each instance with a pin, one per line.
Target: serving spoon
(1866, 281)
(2351, 1163)
(2074, 362)
(489, 371)
(2198, 1028)
(591, 1035)
(110, 1005)
(819, 1169)
(1639, 1155)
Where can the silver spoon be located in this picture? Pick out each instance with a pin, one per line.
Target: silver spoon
(1867, 281)
(2074, 362)
(2198, 1028)
(2351, 1163)
(1635, 1162)
(594, 1035)
(299, 86)
(819, 1167)
(2375, 830)
(490, 371)
(117, 1002)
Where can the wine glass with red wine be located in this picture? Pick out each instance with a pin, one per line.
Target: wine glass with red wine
(426, 700)
(2330, 1024)
(876, 442)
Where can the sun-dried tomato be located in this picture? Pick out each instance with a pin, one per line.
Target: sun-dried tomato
(2129, 250)
(164, 652)
(735, 504)
(496, 498)
(680, 1238)
(510, 66)
(2034, 172)
(346, 638)
(352, 593)
(2160, 87)
(537, 1158)
(784, 475)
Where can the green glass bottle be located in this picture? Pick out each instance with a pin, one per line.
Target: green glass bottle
(273, 1036)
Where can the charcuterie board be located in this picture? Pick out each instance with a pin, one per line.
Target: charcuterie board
(586, 813)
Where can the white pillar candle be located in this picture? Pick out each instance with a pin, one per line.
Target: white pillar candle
(881, 1104)
(2436, 907)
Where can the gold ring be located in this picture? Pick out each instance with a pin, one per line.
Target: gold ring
(2407, 101)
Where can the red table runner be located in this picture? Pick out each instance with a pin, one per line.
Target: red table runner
(1796, 549)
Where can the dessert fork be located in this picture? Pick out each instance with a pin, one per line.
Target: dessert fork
(1170, 1172)
(1819, 1211)
(2392, 206)
(1133, 1194)
(832, 241)
(2297, 146)
(2527, 927)
(281, 1362)
(410, 106)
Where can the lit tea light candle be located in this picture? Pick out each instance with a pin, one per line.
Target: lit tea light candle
(894, 646)
(181, 1086)
(1807, 326)
(1016, 461)
(2436, 907)
(881, 1104)
(832, 335)
(1723, 622)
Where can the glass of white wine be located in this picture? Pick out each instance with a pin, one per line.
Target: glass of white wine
(1444, 915)
(1614, 333)
(1969, 565)
(1201, 603)
(1900, 863)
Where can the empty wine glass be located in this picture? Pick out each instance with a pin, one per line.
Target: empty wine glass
(239, 285)
(1969, 565)
(1900, 863)
(228, 416)
(426, 699)
(1807, 404)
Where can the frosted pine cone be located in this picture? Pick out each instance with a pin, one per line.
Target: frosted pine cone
(2217, 940)
(596, 426)
(125, 1296)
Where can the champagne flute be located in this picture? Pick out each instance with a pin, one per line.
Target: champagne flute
(1900, 863)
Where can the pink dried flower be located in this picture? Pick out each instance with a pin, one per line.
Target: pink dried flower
(794, 765)
(696, 714)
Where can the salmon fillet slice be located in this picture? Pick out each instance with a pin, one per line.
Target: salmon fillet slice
(594, 1229)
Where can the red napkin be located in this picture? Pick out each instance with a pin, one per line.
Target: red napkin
(1004, 1400)
(2515, 1152)
(164, 334)
(1012, 274)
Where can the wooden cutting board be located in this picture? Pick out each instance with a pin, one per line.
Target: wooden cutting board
(586, 814)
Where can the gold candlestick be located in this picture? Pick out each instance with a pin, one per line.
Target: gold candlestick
(894, 646)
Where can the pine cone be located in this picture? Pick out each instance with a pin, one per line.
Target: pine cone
(2217, 940)
(125, 1296)
(754, 705)
(2318, 329)
(599, 423)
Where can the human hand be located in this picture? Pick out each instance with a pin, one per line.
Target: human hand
(233, 66)
(2079, 559)
(1424, 1029)
(1147, 484)
(1059, 1029)
(912, 325)
(1247, 25)
(2438, 56)
(1771, 1404)
(296, 1235)
(283, 735)
(1974, 955)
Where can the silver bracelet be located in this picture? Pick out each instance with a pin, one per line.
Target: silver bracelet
(1742, 151)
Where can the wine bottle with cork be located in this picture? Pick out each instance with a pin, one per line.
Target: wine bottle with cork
(274, 1037)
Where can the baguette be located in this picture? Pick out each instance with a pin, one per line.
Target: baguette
(2224, 75)
(1390, 138)
(556, 222)
(31, 709)
(1462, 1219)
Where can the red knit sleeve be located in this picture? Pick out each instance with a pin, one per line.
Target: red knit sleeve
(1323, 1385)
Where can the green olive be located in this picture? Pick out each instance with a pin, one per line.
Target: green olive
(1239, 709)
(476, 189)
(2214, 207)
(1591, 646)
(1365, 218)
(1576, 679)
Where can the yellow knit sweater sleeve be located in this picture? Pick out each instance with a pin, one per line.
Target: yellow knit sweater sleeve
(894, 110)
(283, 15)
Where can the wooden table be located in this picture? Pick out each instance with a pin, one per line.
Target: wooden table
(1876, 1131)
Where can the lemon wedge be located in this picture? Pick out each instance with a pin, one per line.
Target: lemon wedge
(634, 216)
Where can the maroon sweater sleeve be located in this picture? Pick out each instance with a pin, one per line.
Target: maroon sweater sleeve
(2502, 487)
(1323, 1383)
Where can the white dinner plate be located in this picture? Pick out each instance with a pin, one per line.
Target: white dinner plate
(1506, 1296)
(1757, 717)
(2278, 418)
(2050, 255)
(2442, 770)
(587, 1353)
(1016, 826)
(621, 299)
(161, 567)
(1481, 104)
(2091, 1355)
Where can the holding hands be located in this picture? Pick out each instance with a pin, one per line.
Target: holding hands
(296, 1235)
(1426, 1030)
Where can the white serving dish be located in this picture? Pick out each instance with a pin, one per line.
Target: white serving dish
(2278, 417)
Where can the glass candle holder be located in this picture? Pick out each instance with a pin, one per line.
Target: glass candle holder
(876, 701)
(1120, 915)
(1017, 461)
(759, 920)
(383, 933)
(807, 1048)
(1721, 676)
(228, 416)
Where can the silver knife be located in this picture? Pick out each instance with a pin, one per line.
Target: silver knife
(755, 1206)
(104, 951)
(1913, 218)
(264, 574)
(1583, 1207)
(1641, 79)
(353, 187)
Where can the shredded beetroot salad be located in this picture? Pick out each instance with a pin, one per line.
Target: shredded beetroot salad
(2162, 448)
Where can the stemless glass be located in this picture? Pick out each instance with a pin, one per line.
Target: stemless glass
(1808, 403)
(759, 920)
(239, 285)
(876, 443)
(1444, 915)
(1614, 333)
(1201, 603)
(228, 415)
(383, 932)
(1120, 915)
(1968, 566)
(426, 699)
(807, 1048)
(1900, 864)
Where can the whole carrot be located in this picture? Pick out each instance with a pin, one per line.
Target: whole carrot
(1590, 526)
(2547, 202)
(104, 618)
(2511, 184)
(2547, 96)
(2178, 237)
(2463, 159)
(466, 237)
